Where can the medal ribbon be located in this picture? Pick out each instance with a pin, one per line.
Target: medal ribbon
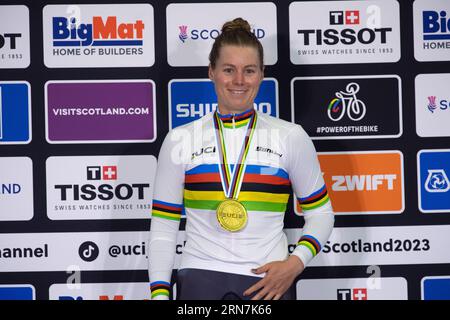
(231, 183)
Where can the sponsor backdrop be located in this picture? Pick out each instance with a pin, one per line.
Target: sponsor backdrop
(88, 90)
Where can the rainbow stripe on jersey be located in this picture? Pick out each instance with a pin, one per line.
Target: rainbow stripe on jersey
(166, 210)
(315, 200)
(160, 288)
(264, 188)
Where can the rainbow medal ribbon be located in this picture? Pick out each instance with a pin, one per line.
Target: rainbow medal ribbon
(231, 214)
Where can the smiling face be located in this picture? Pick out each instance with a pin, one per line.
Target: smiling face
(236, 76)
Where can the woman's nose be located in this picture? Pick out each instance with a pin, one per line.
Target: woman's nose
(238, 78)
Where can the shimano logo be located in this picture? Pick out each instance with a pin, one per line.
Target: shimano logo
(263, 149)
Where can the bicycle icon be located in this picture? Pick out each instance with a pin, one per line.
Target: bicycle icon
(347, 101)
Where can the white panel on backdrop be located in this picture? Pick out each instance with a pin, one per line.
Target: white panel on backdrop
(353, 289)
(73, 251)
(192, 28)
(16, 188)
(100, 291)
(381, 246)
(344, 32)
(100, 187)
(433, 104)
(14, 37)
(431, 30)
(112, 35)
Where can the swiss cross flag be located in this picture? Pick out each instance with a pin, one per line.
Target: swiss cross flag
(359, 294)
(352, 17)
(109, 172)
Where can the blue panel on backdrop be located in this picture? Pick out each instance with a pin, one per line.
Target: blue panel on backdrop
(192, 99)
(16, 293)
(14, 112)
(434, 180)
(436, 289)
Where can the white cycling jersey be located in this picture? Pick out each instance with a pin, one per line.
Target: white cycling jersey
(281, 158)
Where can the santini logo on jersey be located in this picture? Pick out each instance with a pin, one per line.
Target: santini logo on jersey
(101, 32)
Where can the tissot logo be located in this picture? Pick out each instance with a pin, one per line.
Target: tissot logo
(14, 37)
(97, 35)
(352, 294)
(108, 187)
(365, 31)
(431, 30)
(348, 107)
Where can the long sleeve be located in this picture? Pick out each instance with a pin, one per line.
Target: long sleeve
(166, 214)
(311, 193)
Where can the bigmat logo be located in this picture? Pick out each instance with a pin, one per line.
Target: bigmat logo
(431, 30)
(348, 107)
(433, 172)
(435, 288)
(100, 291)
(344, 32)
(113, 35)
(363, 182)
(100, 187)
(105, 111)
(14, 37)
(15, 112)
(17, 292)
(433, 105)
(191, 32)
(369, 288)
(191, 99)
(16, 189)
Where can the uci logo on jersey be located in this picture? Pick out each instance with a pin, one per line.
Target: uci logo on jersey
(101, 32)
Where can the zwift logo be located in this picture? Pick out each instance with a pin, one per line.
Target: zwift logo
(101, 32)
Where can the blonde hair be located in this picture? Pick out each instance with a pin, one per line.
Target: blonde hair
(238, 33)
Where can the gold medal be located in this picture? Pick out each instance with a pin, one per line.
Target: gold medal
(232, 215)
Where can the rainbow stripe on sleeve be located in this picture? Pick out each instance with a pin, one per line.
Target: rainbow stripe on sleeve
(311, 243)
(166, 210)
(315, 200)
(160, 288)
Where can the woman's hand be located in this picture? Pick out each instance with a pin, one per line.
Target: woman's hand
(279, 277)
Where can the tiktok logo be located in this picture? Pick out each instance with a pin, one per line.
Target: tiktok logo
(88, 251)
(346, 102)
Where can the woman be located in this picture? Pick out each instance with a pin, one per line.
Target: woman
(233, 171)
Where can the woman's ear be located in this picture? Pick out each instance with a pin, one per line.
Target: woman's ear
(210, 73)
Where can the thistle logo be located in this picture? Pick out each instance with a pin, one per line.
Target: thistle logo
(437, 181)
(183, 33)
(432, 103)
(347, 103)
(101, 32)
